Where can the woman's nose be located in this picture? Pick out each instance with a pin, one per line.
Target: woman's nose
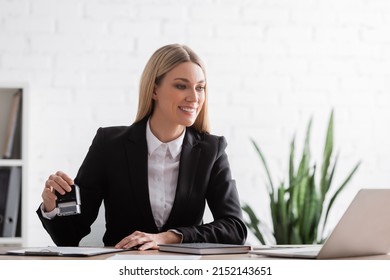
(192, 95)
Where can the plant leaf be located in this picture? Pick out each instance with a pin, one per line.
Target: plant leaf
(328, 149)
(338, 191)
(291, 169)
(259, 152)
(298, 208)
(253, 225)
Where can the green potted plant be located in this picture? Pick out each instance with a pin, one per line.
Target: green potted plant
(300, 207)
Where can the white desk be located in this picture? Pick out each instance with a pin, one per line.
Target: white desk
(154, 253)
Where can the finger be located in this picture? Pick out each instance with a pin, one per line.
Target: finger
(129, 242)
(135, 239)
(148, 245)
(53, 184)
(65, 177)
(49, 200)
(58, 183)
(47, 194)
(121, 244)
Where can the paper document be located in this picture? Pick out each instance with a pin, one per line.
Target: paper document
(64, 251)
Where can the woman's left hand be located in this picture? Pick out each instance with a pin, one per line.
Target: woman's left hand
(144, 241)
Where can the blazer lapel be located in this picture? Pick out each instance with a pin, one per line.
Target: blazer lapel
(137, 156)
(187, 170)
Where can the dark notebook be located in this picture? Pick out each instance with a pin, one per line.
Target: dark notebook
(205, 248)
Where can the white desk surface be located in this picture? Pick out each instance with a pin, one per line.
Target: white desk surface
(155, 254)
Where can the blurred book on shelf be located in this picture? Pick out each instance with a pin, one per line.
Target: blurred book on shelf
(10, 195)
(12, 144)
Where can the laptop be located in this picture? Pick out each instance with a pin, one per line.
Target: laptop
(363, 230)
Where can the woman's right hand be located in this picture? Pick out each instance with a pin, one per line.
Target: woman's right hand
(60, 182)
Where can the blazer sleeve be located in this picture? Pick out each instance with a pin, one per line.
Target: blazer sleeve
(223, 200)
(69, 230)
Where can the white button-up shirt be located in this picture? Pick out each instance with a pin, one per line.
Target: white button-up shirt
(163, 172)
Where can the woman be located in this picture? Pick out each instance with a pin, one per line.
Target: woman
(154, 176)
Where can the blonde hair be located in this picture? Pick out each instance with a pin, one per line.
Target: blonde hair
(161, 62)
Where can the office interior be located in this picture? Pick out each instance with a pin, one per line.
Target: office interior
(272, 65)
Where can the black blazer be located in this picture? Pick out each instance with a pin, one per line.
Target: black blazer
(115, 171)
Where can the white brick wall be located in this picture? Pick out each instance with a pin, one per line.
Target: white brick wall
(271, 65)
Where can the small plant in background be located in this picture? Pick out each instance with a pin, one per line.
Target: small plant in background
(300, 206)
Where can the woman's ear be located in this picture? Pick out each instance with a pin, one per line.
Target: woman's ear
(154, 94)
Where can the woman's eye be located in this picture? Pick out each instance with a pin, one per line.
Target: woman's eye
(200, 88)
(180, 86)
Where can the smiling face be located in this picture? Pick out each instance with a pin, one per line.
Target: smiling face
(178, 98)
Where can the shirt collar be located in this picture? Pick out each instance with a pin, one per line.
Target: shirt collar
(153, 142)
